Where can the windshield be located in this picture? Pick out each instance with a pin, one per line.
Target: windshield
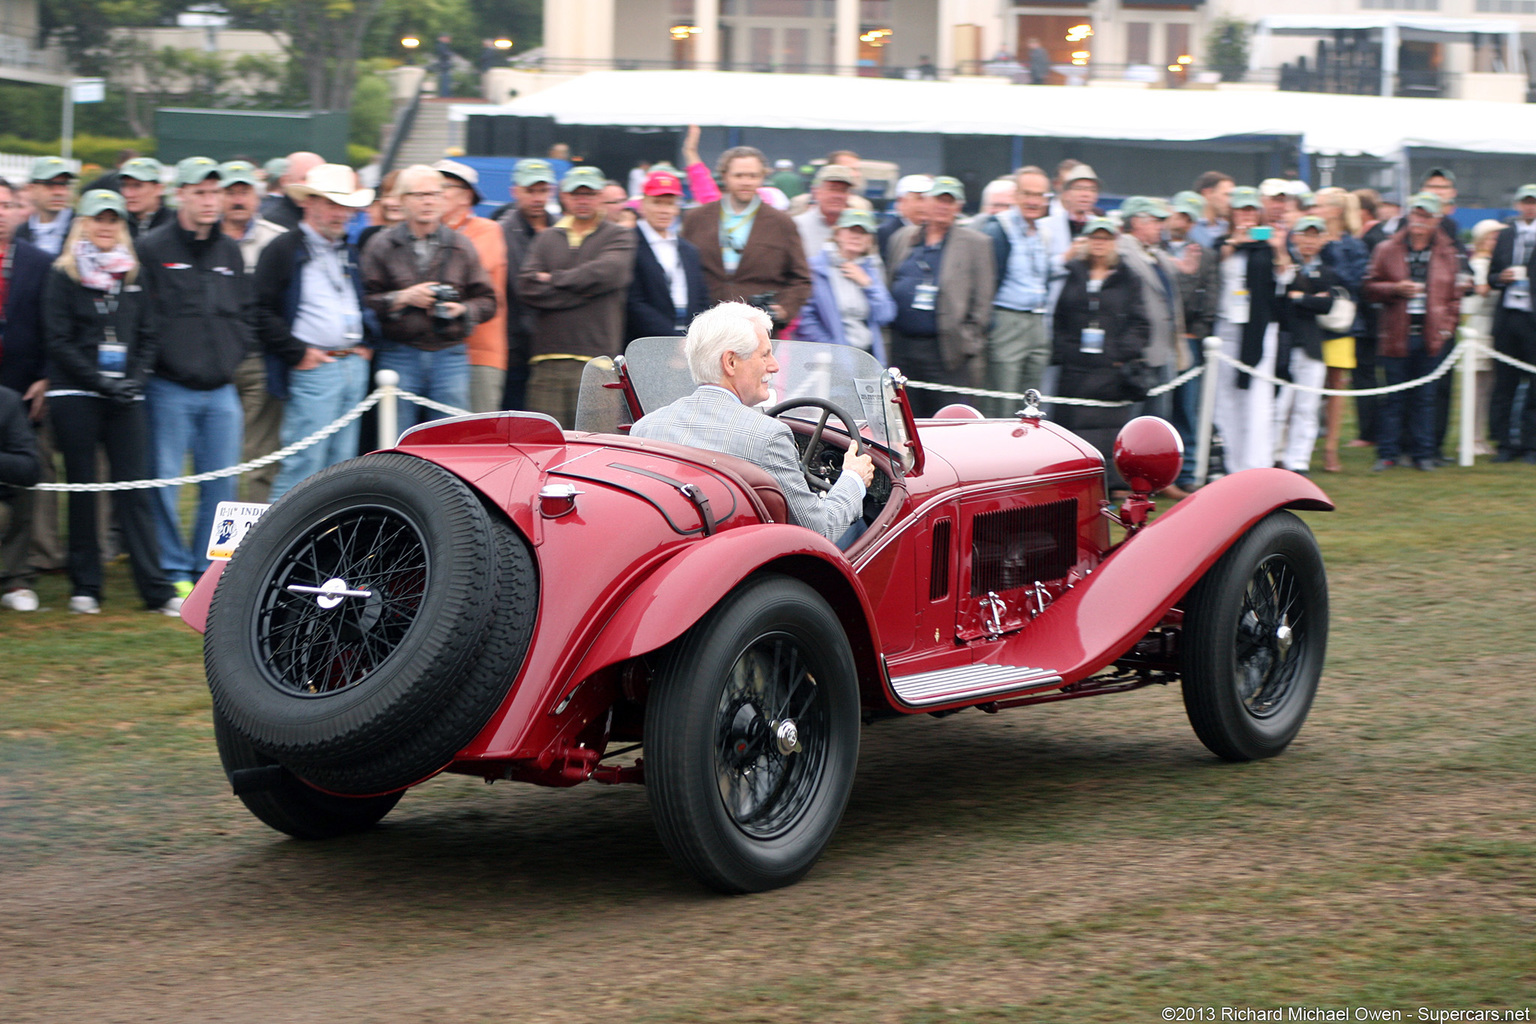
(849, 378)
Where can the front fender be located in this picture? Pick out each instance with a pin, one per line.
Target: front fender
(677, 595)
(1102, 617)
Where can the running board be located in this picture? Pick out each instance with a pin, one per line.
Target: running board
(968, 683)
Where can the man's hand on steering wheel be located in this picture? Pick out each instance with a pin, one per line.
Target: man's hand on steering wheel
(861, 466)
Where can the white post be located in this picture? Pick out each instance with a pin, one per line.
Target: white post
(1207, 409)
(1468, 404)
(389, 411)
(845, 38)
(1389, 41)
(67, 122)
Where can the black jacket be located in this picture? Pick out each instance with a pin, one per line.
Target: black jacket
(648, 311)
(24, 232)
(1263, 304)
(279, 209)
(201, 305)
(74, 323)
(519, 235)
(19, 464)
(1121, 315)
(23, 361)
(1503, 258)
(279, 282)
(159, 219)
(1299, 316)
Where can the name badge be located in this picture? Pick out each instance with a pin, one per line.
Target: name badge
(1518, 296)
(1092, 339)
(112, 359)
(923, 298)
(352, 327)
(1416, 305)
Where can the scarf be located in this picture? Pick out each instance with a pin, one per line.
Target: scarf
(101, 269)
(735, 228)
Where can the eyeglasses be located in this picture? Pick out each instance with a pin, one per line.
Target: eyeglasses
(420, 195)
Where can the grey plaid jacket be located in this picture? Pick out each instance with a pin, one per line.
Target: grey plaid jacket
(714, 418)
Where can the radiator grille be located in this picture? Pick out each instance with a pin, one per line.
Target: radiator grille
(938, 573)
(1014, 547)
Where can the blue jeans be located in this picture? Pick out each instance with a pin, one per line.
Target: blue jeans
(209, 424)
(317, 397)
(442, 376)
(1414, 408)
(1186, 412)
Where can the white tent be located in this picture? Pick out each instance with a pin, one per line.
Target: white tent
(1327, 123)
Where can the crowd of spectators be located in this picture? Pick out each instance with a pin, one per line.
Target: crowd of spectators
(245, 308)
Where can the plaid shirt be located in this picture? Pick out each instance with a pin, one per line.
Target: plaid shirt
(714, 418)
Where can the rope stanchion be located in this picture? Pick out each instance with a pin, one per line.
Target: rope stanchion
(958, 389)
(1507, 360)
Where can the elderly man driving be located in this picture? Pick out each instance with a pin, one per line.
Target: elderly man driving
(731, 359)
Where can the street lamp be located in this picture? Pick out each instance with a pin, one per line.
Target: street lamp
(410, 43)
(502, 43)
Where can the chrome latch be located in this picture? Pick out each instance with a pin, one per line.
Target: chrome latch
(995, 606)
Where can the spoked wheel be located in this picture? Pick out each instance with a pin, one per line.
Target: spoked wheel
(751, 737)
(1255, 637)
(370, 623)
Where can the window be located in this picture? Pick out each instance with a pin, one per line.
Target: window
(1402, 5)
(1175, 42)
(760, 42)
(1506, 6)
(1138, 42)
(795, 49)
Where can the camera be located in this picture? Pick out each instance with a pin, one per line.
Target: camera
(442, 294)
(764, 301)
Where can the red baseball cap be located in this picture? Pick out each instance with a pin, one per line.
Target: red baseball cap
(662, 184)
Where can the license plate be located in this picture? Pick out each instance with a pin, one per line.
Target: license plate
(230, 524)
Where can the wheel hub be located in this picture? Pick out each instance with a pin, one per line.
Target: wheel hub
(786, 736)
(329, 594)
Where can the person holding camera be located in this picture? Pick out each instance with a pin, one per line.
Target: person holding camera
(576, 280)
(100, 347)
(429, 290)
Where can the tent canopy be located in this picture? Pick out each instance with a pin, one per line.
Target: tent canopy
(1327, 123)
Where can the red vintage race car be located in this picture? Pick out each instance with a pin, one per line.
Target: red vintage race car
(496, 597)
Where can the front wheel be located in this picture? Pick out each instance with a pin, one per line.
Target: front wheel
(291, 806)
(1255, 635)
(752, 737)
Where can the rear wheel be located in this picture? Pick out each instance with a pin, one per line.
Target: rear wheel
(288, 805)
(1255, 637)
(752, 737)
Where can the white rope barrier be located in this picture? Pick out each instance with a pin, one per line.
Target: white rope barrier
(1446, 366)
(1508, 360)
(448, 410)
(1182, 379)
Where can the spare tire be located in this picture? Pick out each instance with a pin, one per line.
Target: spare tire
(359, 636)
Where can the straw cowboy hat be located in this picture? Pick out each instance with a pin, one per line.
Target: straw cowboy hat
(336, 182)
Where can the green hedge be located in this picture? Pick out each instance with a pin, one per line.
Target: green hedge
(91, 149)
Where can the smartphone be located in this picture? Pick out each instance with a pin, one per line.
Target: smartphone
(1260, 233)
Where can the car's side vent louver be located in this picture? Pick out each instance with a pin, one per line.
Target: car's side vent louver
(938, 575)
(1014, 547)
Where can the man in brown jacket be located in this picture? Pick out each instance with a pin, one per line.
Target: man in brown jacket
(1413, 276)
(576, 279)
(405, 271)
(748, 248)
(942, 277)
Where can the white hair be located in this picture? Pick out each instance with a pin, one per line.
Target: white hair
(728, 327)
(411, 175)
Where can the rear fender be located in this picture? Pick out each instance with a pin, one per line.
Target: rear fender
(1103, 616)
(680, 593)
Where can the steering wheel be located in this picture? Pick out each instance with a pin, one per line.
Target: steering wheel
(816, 482)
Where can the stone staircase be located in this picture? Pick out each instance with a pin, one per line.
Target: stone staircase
(432, 134)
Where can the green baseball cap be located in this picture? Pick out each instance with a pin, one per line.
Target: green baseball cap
(583, 177)
(1525, 192)
(1440, 172)
(100, 200)
(238, 172)
(1428, 202)
(196, 169)
(944, 185)
(46, 168)
(857, 219)
(532, 172)
(1146, 206)
(142, 168)
(1099, 224)
(1191, 204)
(1245, 197)
(1309, 224)
(276, 167)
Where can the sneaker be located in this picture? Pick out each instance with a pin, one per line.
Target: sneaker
(171, 607)
(19, 600)
(1424, 465)
(84, 604)
(183, 588)
(1381, 464)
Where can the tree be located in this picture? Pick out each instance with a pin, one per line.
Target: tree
(1226, 48)
(324, 38)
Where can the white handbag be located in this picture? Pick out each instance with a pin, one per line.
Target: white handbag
(1340, 318)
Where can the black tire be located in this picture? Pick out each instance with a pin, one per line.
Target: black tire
(1255, 638)
(732, 807)
(292, 807)
(383, 690)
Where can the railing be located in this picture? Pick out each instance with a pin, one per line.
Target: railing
(18, 52)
